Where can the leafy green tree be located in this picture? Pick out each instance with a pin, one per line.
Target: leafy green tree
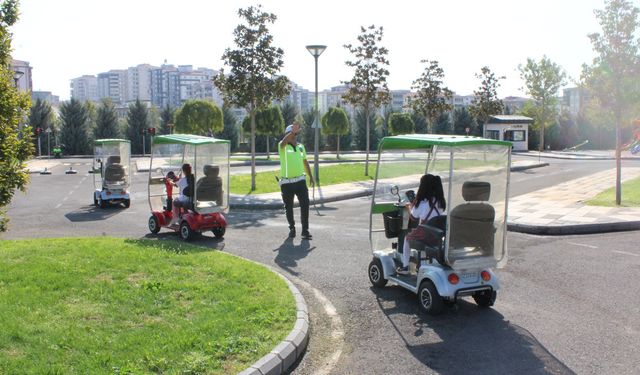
(368, 88)
(74, 134)
(41, 116)
(106, 121)
(463, 120)
(253, 81)
(364, 138)
(543, 79)
(420, 123)
(486, 102)
(269, 122)
(563, 132)
(432, 98)
(401, 123)
(199, 117)
(92, 116)
(289, 112)
(15, 150)
(308, 133)
(230, 130)
(166, 118)
(137, 122)
(612, 78)
(443, 124)
(335, 122)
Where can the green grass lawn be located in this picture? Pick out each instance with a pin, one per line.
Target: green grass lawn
(630, 195)
(115, 306)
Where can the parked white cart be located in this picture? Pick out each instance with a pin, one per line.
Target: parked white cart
(111, 172)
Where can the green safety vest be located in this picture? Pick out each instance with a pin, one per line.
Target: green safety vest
(291, 160)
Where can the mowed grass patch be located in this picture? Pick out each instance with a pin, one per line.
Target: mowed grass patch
(115, 306)
(630, 195)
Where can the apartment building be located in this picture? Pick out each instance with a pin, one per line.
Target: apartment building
(85, 88)
(22, 75)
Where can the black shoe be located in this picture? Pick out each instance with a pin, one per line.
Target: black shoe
(402, 270)
(306, 235)
(292, 232)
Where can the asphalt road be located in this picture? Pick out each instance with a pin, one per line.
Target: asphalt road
(567, 304)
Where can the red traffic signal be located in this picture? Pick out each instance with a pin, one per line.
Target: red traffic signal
(152, 131)
(38, 131)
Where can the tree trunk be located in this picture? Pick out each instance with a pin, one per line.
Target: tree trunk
(338, 146)
(618, 161)
(542, 121)
(366, 163)
(268, 155)
(253, 148)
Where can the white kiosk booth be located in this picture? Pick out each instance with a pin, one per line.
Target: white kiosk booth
(512, 128)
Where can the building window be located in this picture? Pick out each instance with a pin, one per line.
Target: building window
(514, 136)
(493, 134)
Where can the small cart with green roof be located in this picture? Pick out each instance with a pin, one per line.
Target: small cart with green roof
(209, 160)
(465, 244)
(111, 172)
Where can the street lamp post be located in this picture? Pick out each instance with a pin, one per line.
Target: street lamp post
(48, 131)
(316, 51)
(17, 74)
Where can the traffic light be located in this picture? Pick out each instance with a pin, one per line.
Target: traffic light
(38, 131)
(152, 131)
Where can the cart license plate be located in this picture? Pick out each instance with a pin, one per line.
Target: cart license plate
(469, 277)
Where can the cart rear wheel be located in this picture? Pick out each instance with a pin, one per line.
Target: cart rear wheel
(127, 203)
(154, 225)
(219, 232)
(186, 233)
(485, 298)
(376, 274)
(103, 203)
(429, 299)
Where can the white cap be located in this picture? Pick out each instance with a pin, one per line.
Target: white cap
(288, 130)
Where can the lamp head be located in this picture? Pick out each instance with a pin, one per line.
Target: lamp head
(316, 50)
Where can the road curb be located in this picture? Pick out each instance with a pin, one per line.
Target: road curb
(285, 354)
(276, 204)
(560, 230)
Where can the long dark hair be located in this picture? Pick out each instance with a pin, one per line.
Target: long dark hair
(186, 168)
(431, 190)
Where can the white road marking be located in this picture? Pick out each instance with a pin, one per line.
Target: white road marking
(625, 253)
(65, 198)
(58, 205)
(337, 332)
(583, 245)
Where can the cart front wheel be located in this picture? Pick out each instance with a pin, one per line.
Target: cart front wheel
(429, 299)
(154, 225)
(127, 203)
(376, 274)
(219, 232)
(186, 233)
(485, 298)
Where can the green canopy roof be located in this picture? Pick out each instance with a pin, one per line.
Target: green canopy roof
(413, 141)
(189, 139)
(111, 140)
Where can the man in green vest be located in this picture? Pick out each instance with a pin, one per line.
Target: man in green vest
(293, 181)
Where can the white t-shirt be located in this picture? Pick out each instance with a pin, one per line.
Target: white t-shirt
(422, 211)
(182, 184)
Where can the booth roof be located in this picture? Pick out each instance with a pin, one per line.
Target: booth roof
(186, 139)
(412, 141)
(111, 140)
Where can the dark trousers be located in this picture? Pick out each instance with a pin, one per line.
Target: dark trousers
(299, 189)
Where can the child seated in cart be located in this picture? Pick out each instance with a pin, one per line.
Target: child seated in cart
(429, 203)
(185, 187)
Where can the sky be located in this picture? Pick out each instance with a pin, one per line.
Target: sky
(65, 39)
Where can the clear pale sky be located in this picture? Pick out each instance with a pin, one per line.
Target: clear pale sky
(64, 39)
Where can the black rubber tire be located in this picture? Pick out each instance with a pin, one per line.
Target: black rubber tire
(376, 273)
(127, 203)
(154, 225)
(186, 233)
(95, 200)
(485, 299)
(103, 203)
(219, 232)
(429, 299)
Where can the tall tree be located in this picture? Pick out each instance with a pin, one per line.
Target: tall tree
(199, 117)
(485, 101)
(335, 122)
(230, 130)
(137, 125)
(368, 87)
(166, 120)
(106, 121)
(401, 123)
(74, 134)
(612, 78)
(443, 124)
(253, 82)
(41, 117)
(289, 112)
(432, 98)
(543, 79)
(269, 122)
(15, 150)
(462, 120)
(420, 123)
(364, 138)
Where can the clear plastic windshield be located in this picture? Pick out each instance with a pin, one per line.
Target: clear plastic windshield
(210, 167)
(111, 165)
